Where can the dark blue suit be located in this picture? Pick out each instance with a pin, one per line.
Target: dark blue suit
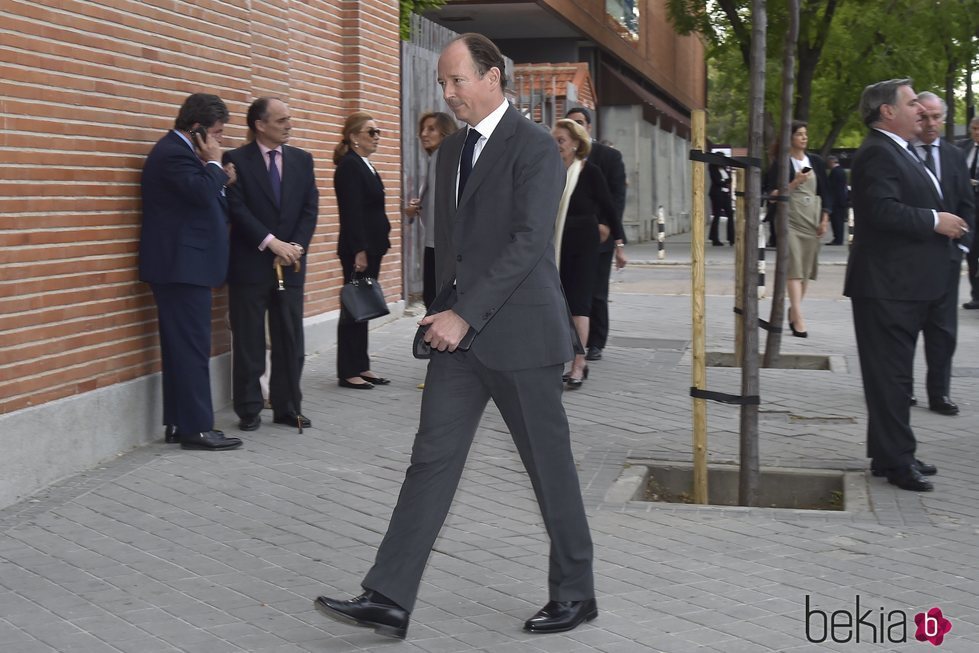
(183, 253)
(252, 283)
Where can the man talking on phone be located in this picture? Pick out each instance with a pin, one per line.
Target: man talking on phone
(183, 254)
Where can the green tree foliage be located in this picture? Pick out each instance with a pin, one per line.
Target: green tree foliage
(847, 43)
(409, 7)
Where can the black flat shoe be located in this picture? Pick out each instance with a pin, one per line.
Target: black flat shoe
(561, 616)
(250, 423)
(943, 406)
(376, 380)
(170, 434)
(208, 440)
(798, 334)
(293, 420)
(368, 610)
(343, 383)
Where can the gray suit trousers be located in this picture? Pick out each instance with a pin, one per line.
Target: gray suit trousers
(457, 389)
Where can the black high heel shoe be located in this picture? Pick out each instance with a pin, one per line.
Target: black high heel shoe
(798, 334)
(573, 383)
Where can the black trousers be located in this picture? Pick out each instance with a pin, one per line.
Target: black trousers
(940, 332)
(184, 320)
(352, 358)
(887, 331)
(248, 306)
(721, 206)
(598, 324)
(837, 220)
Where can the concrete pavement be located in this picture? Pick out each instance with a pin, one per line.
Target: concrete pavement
(170, 550)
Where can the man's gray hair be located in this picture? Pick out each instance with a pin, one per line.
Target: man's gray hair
(876, 95)
(929, 96)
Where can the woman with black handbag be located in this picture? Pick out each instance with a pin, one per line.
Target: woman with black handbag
(363, 241)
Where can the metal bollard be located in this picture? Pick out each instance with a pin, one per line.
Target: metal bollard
(761, 264)
(660, 234)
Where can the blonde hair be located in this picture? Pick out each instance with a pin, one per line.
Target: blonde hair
(579, 134)
(353, 124)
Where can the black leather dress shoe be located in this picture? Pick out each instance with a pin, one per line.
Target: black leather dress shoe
(909, 478)
(170, 434)
(293, 420)
(365, 610)
(376, 380)
(250, 423)
(923, 468)
(343, 383)
(913, 400)
(943, 406)
(594, 354)
(560, 616)
(972, 304)
(208, 440)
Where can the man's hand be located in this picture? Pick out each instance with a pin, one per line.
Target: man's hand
(445, 330)
(951, 225)
(229, 169)
(287, 252)
(209, 147)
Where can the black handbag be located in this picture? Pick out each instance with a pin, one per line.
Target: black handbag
(363, 298)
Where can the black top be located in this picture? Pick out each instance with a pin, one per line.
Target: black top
(360, 197)
(591, 201)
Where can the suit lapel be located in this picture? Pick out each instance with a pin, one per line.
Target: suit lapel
(917, 165)
(259, 169)
(494, 149)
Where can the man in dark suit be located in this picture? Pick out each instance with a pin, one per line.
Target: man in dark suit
(495, 270)
(183, 253)
(970, 147)
(941, 323)
(898, 266)
(273, 209)
(609, 161)
(839, 192)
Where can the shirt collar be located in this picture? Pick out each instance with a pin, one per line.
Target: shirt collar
(185, 140)
(894, 137)
(265, 150)
(487, 125)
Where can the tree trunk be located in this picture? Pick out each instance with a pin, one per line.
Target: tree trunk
(748, 478)
(774, 342)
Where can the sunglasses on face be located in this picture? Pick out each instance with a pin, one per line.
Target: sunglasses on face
(373, 133)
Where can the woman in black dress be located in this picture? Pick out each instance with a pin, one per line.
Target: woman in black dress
(584, 220)
(364, 229)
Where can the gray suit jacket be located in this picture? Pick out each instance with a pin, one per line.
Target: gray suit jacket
(496, 245)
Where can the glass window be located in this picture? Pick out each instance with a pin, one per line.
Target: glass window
(625, 17)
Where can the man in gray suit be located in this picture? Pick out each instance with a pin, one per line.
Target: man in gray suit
(504, 334)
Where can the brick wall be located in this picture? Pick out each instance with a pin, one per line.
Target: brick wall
(86, 88)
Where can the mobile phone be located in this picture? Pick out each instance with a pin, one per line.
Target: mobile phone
(807, 169)
(202, 132)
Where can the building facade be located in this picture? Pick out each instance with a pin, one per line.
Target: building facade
(86, 89)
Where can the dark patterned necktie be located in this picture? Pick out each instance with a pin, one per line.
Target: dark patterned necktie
(466, 162)
(930, 159)
(274, 178)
